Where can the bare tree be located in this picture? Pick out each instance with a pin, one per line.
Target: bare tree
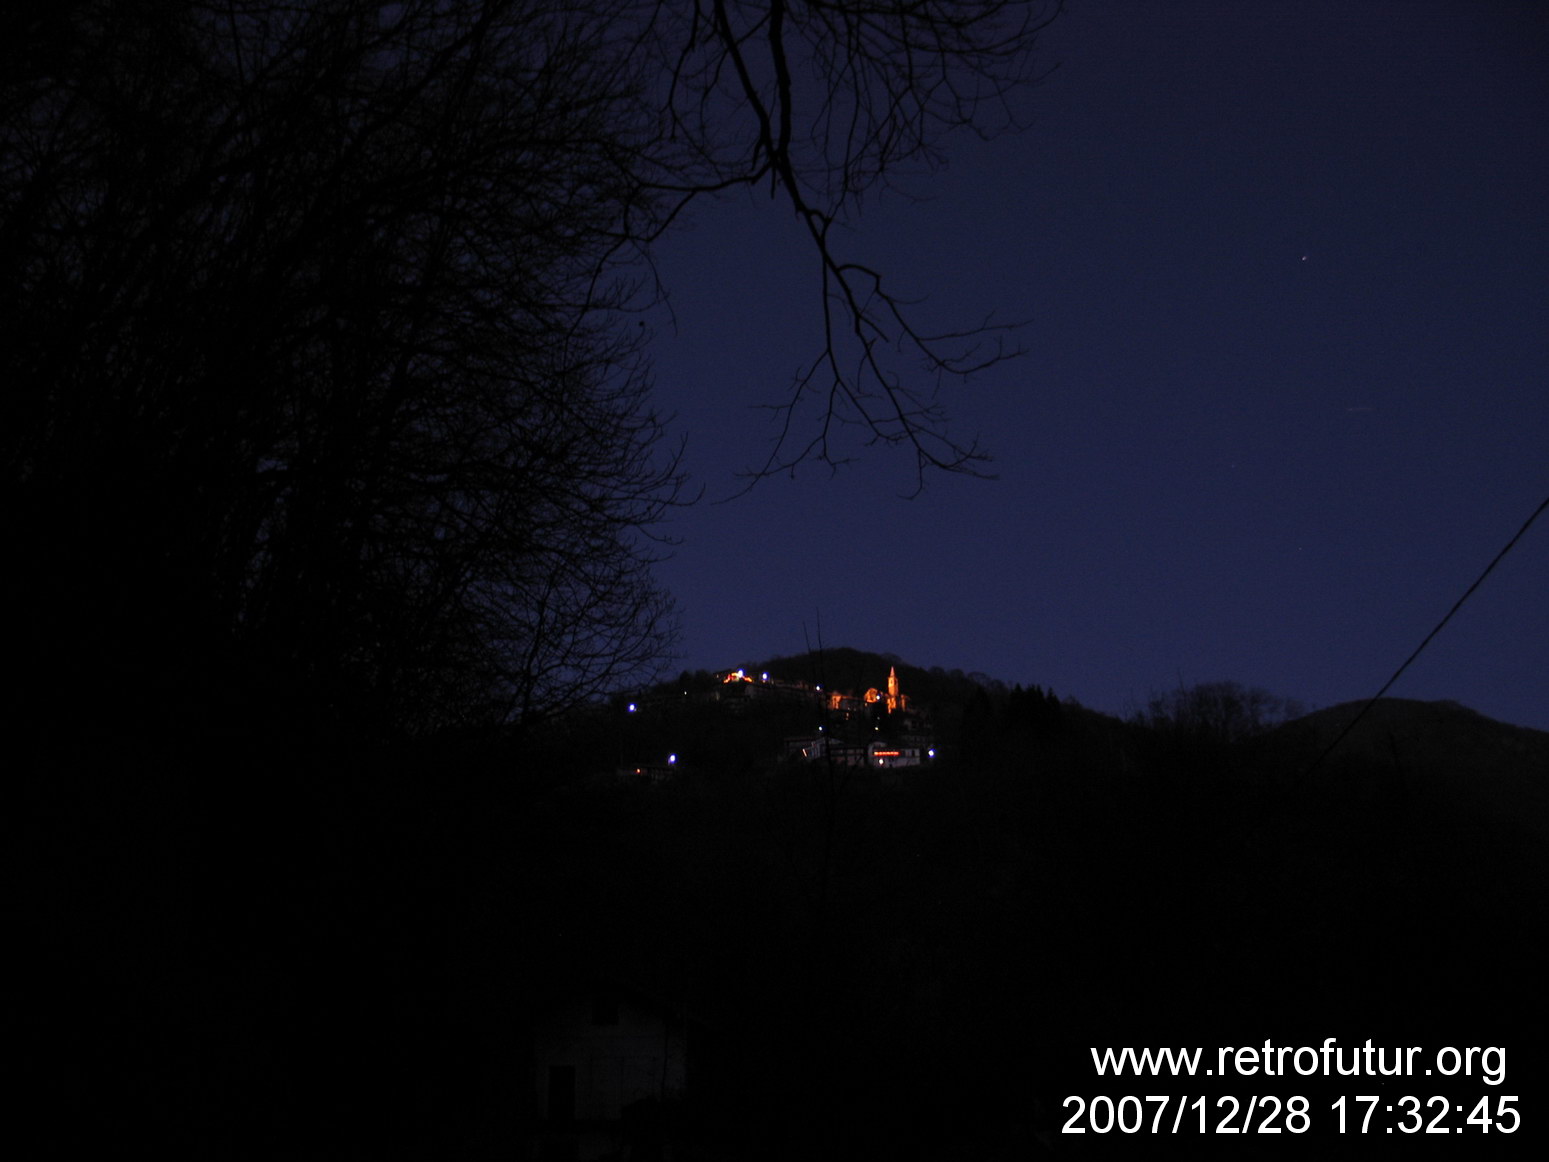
(319, 319)
(319, 348)
(1218, 712)
(824, 102)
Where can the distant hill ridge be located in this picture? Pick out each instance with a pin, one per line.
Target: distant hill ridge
(1442, 731)
(1415, 718)
(1441, 752)
(851, 670)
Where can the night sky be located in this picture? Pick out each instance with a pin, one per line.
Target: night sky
(1285, 274)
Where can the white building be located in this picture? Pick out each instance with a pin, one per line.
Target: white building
(597, 1052)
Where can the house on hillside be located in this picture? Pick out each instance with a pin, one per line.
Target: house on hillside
(650, 774)
(880, 729)
(609, 1064)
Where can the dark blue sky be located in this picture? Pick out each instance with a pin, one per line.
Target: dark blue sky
(1286, 274)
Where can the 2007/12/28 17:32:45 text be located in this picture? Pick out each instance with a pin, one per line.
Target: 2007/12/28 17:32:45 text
(1127, 1115)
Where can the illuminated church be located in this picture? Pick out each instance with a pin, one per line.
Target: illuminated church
(895, 700)
(849, 736)
(740, 684)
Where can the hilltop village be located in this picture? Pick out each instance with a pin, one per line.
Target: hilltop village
(877, 727)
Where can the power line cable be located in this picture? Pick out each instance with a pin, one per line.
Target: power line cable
(1457, 605)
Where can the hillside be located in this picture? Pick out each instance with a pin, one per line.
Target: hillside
(1063, 883)
(1439, 754)
(845, 668)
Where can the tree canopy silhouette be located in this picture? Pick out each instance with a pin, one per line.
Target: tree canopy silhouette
(319, 319)
(1217, 712)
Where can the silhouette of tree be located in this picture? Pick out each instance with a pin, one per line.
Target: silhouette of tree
(1217, 712)
(318, 319)
(315, 346)
(833, 99)
(979, 731)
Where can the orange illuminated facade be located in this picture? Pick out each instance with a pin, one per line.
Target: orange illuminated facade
(851, 718)
(889, 756)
